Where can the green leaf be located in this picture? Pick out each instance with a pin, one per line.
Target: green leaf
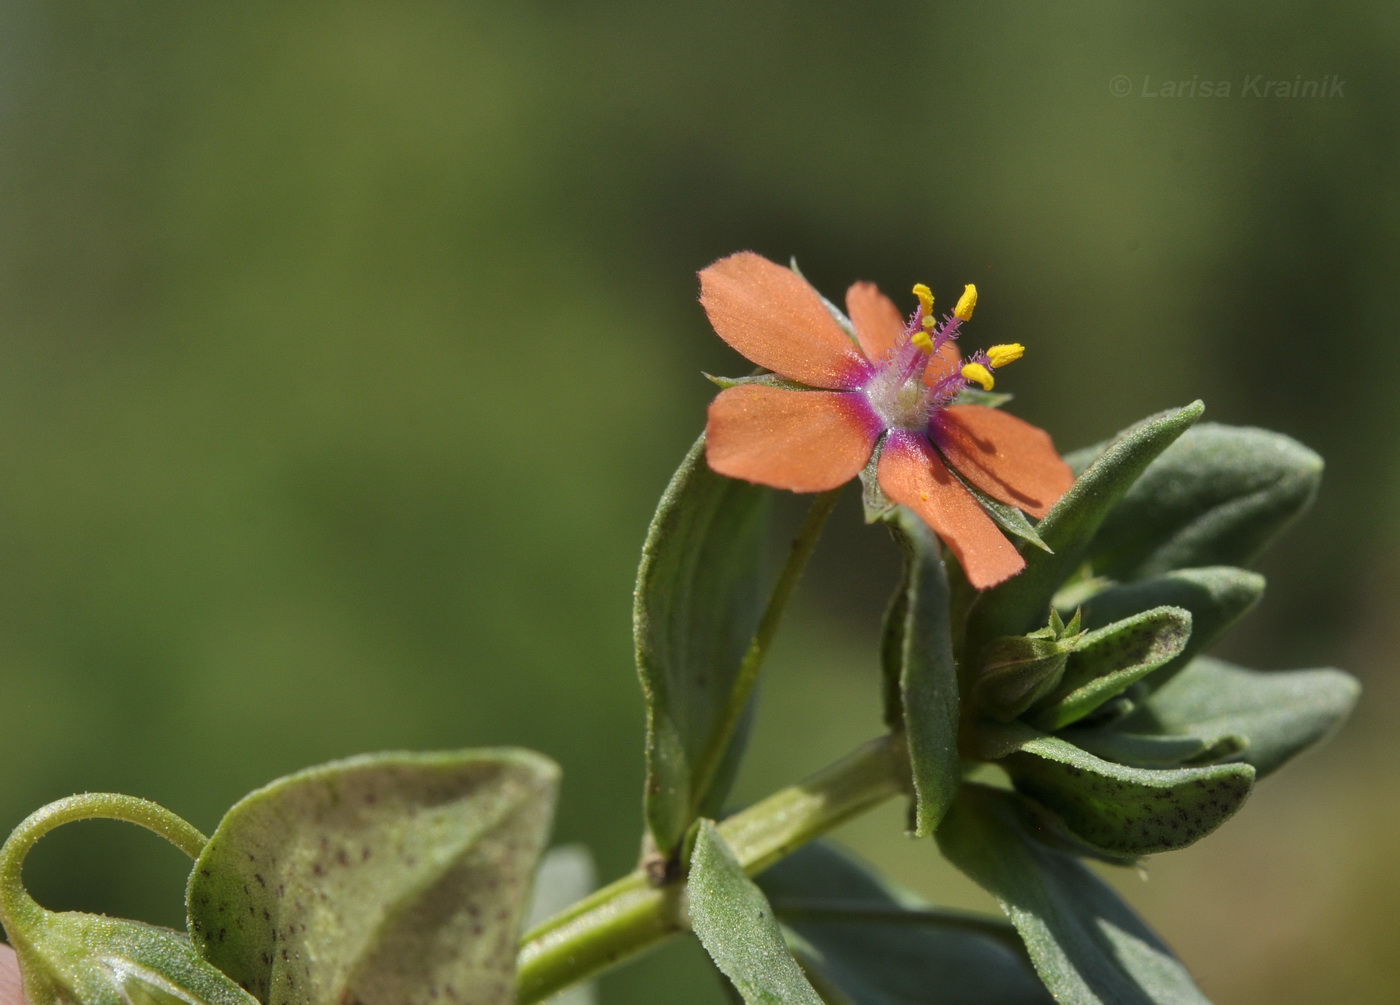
(761, 379)
(1019, 604)
(1216, 596)
(1105, 662)
(73, 958)
(1280, 713)
(700, 595)
(1148, 751)
(1087, 945)
(1121, 810)
(1217, 496)
(928, 678)
(385, 878)
(862, 940)
(734, 923)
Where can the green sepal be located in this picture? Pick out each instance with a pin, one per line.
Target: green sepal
(761, 379)
(1218, 496)
(1107, 661)
(1216, 596)
(701, 589)
(387, 877)
(1088, 946)
(1122, 810)
(1279, 713)
(1017, 670)
(732, 919)
(927, 673)
(874, 503)
(72, 958)
(861, 939)
(1018, 604)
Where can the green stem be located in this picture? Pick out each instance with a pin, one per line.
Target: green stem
(708, 765)
(15, 902)
(630, 915)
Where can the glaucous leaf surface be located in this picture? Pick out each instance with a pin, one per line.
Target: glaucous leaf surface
(862, 940)
(1120, 810)
(1217, 597)
(1278, 713)
(1217, 496)
(733, 921)
(387, 879)
(700, 595)
(1088, 946)
(928, 678)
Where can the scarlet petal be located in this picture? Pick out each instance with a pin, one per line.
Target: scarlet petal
(804, 441)
(774, 318)
(911, 474)
(878, 323)
(1005, 457)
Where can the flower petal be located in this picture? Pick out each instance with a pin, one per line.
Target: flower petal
(912, 474)
(879, 325)
(946, 362)
(1005, 457)
(775, 319)
(804, 441)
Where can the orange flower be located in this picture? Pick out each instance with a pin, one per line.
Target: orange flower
(879, 383)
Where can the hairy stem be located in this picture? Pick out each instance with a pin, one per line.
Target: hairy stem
(15, 901)
(630, 915)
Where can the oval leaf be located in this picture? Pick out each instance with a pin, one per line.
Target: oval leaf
(384, 879)
(1279, 713)
(700, 595)
(1216, 596)
(1087, 945)
(1126, 811)
(1217, 496)
(733, 921)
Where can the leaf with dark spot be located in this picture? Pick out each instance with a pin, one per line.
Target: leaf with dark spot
(432, 916)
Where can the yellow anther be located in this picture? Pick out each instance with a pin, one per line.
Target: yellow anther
(979, 374)
(929, 322)
(925, 296)
(1000, 355)
(922, 341)
(965, 303)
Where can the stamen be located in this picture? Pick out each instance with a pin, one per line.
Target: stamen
(922, 341)
(925, 296)
(979, 374)
(966, 302)
(1000, 355)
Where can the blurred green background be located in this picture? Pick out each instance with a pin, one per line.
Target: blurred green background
(345, 348)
